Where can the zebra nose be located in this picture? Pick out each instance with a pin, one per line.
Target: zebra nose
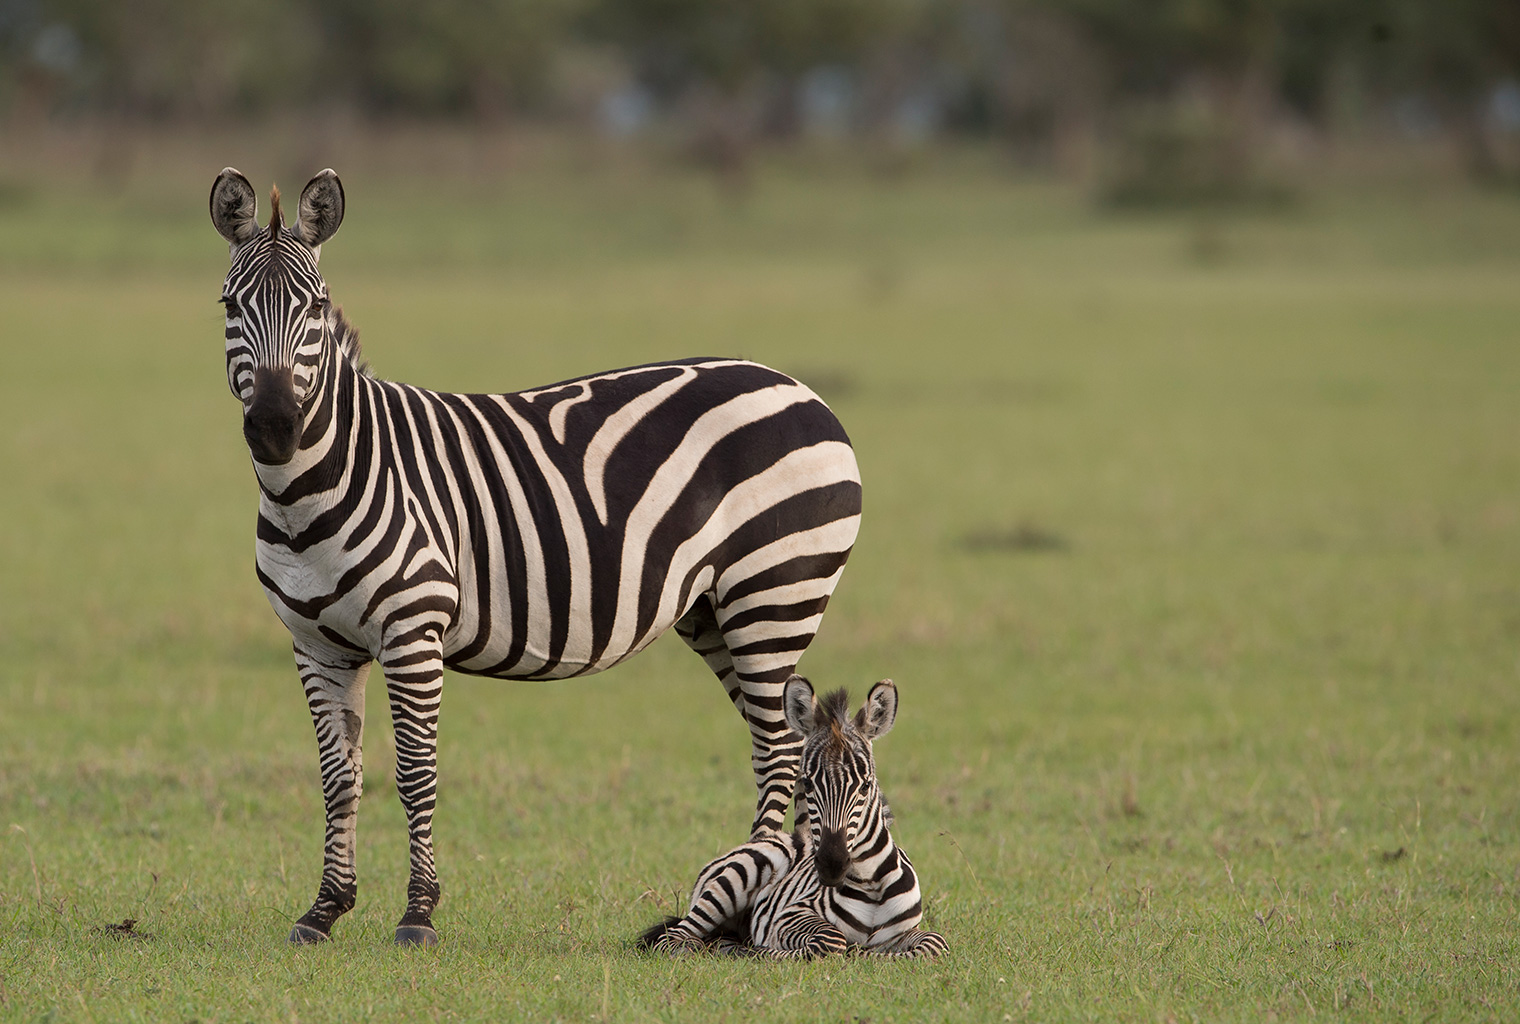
(272, 423)
(832, 857)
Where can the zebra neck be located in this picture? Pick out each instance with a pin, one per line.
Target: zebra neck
(879, 870)
(310, 481)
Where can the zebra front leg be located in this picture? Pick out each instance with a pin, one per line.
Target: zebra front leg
(914, 942)
(801, 933)
(335, 695)
(414, 682)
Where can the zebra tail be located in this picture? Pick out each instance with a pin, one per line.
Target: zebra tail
(655, 934)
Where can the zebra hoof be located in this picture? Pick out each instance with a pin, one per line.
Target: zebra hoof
(416, 935)
(306, 935)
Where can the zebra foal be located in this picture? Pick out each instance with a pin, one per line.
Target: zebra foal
(534, 535)
(837, 883)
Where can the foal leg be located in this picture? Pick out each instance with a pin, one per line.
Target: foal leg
(726, 891)
(914, 942)
(801, 933)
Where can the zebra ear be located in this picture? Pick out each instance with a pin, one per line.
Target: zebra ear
(234, 207)
(320, 211)
(799, 705)
(876, 715)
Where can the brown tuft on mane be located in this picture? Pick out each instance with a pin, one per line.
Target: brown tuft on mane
(836, 705)
(835, 708)
(276, 221)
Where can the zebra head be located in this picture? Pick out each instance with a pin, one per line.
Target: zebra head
(846, 812)
(276, 305)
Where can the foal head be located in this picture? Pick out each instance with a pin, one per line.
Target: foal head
(846, 812)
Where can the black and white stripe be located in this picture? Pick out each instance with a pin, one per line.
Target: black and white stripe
(535, 535)
(840, 882)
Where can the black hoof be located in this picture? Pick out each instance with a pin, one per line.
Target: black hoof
(306, 935)
(416, 935)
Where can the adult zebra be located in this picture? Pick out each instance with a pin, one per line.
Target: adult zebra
(535, 535)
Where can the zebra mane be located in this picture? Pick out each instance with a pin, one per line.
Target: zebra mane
(836, 705)
(276, 220)
(347, 337)
(834, 709)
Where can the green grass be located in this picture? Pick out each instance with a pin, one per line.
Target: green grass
(1193, 546)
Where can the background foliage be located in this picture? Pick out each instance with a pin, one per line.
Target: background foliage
(1042, 75)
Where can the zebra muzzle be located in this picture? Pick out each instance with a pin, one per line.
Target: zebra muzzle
(832, 857)
(272, 422)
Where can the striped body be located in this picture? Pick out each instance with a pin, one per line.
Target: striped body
(534, 535)
(770, 896)
(555, 532)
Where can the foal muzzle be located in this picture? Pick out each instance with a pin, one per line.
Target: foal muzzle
(832, 857)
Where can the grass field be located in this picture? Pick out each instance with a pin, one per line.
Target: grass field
(1192, 543)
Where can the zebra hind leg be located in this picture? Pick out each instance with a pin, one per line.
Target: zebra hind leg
(335, 695)
(675, 936)
(665, 937)
(752, 648)
(767, 605)
(776, 751)
(718, 917)
(699, 629)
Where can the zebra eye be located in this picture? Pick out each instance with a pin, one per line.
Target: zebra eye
(316, 307)
(230, 304)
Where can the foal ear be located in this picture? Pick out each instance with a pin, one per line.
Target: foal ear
(799, 705)
(234, 207)
(321, 209)
(876, 715)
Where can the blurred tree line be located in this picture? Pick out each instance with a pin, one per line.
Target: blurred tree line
(1184, 90)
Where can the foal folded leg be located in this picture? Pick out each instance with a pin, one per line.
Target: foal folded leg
(726, 891)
